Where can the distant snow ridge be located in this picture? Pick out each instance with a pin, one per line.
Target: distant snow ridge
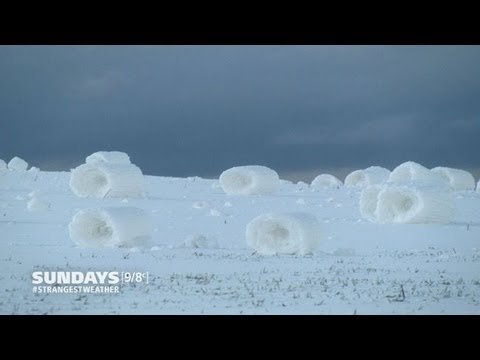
(290, 233)
(107, 179)
(111, 157)
(478, 187)
(417, 203)
(17, 164)
(369, 176)
(110, 227)
(457, 179)
(410, 171)
(326, 181)
(249, 180)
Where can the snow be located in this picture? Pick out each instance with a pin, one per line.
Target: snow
(33, 172)
(108, 227)
(369, 202)
(105, 179)
(36, 204)
(249, 180)
(326, 181)
(300, 186)
(17, 164)
(410, 171)
(358, 267)
(414, 204)
(289, 233)
(369, 176)
(3, 165)
(200, 241)
(201, 205)
(409, 202)
(457, 179)
(111, 157)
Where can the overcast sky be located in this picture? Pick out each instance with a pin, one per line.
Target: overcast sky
(197, 110)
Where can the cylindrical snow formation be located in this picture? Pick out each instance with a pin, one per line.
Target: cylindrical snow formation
(370, 176)
(410, 171)
(290, 233)
(326, 181)
(111, 157)
(35, 204)
(17, 164)
(416, 205)
(457, 179)
(369, 202)
(107, 180)
(110, 227)
(249, 180)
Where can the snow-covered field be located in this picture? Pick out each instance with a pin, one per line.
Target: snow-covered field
(359, 268)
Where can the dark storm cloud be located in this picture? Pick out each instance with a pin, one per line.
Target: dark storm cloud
(196, 110)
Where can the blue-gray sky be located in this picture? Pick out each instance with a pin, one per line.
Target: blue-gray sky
(197, 110)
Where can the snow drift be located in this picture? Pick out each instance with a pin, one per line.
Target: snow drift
(326, 181)
(411, 171)
(17, 164)
(111, 157)
(369, 176)
(104, 179)
(457, 179)
(249, 180)
(110, 227)
(290, 233)
(408, 203)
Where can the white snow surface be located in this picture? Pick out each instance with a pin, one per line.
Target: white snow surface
(3, 165)
(249, 180)
(326, 181)
(359, 267)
